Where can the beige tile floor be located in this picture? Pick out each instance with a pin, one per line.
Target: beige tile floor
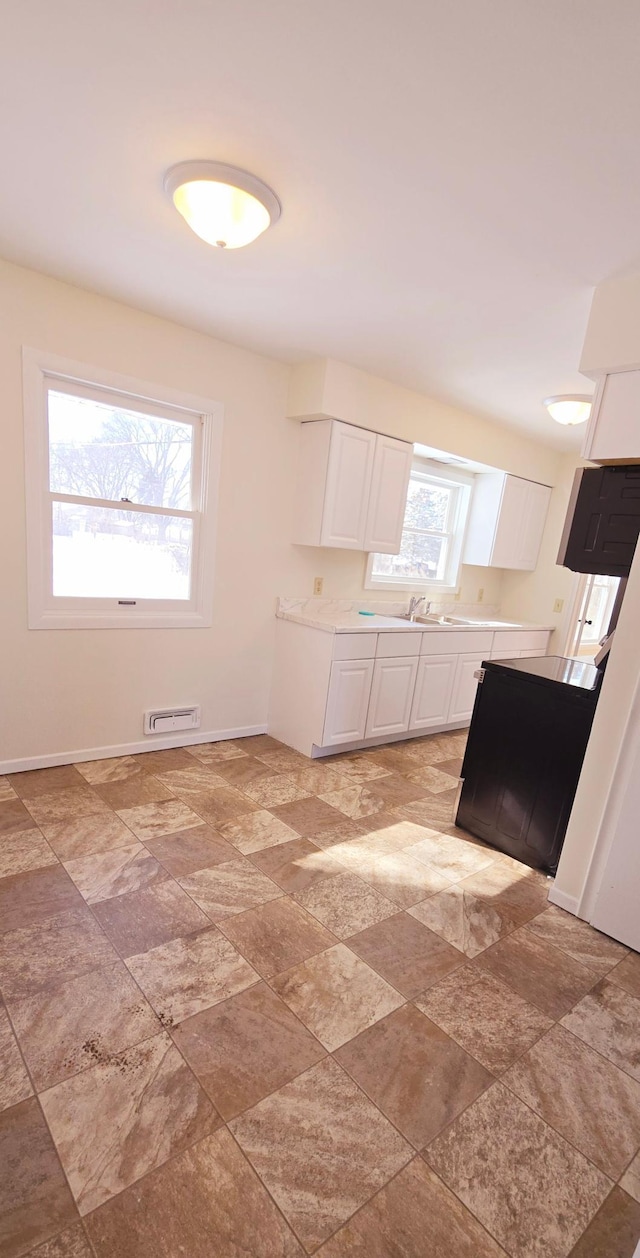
(262, 1007)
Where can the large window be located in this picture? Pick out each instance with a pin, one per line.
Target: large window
(435, 517)
(119, 501)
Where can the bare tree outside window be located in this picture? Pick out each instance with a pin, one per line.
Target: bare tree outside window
(119, 456)
(425, 535)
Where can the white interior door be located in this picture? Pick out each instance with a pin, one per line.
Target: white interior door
(595, 610)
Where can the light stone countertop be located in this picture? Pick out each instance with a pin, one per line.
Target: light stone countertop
(343, 616)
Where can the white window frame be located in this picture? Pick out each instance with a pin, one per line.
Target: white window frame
(462, 482)
(46, 611)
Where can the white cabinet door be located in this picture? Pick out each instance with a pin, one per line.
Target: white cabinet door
(508, 536)
(506, 521)
(391, 696)
(347, 489)
(613, 435)
(388, 498)
(535, 507)
(434, 687)
(348, 701)
(464, 687)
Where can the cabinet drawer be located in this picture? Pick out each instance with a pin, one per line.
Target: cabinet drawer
(456, 642)
(354, 646)
(398, 642)
(520, 640)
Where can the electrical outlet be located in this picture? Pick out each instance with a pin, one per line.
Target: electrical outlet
(480, 595)
(318, 583)
(456, 597)
(558, 605)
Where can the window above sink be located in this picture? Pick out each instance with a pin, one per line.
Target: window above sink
(433, 533)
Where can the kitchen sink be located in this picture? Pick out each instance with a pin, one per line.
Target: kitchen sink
(461, 622)
(443, 620)
(435, 620)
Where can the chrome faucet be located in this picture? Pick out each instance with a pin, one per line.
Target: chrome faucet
(414, 607)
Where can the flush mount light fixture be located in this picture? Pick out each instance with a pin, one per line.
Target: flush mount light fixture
(225, 206)
(569, 408)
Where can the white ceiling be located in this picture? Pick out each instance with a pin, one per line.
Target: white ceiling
(455, 175)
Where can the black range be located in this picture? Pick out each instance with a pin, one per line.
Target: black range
(528, 736)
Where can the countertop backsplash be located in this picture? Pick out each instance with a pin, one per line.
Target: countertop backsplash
(335, 606)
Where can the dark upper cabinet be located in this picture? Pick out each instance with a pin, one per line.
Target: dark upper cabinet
(603, 521)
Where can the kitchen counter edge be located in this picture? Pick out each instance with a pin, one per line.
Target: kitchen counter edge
(351, 622)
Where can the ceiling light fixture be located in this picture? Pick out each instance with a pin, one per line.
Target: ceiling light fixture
(569, 408)
(225, 206)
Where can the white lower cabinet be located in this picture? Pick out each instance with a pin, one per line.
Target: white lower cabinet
(348, 701)
(434, 688)
(359, 688)
(464, 687)
(391, 696)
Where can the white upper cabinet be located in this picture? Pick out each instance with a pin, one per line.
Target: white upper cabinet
(613, 435)
(506, 521)
(352, 487)
(348, 482)
(534, 518)
(388, 498)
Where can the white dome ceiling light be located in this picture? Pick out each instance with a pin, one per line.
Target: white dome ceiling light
(224, 206)
(569, 408)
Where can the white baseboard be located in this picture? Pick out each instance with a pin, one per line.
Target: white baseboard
(152, 743)
(564, 901)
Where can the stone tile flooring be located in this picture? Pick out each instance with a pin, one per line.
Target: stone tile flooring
(252, 1005)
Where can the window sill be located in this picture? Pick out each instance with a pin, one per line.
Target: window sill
(112, 620)
(410, 587)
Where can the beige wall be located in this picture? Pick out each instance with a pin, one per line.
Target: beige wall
(70, 690)
(333, 388)
(66, 691)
